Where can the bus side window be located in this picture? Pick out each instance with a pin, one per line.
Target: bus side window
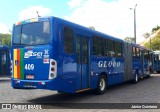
(78, 49)
(97, 44)
(68, 40)
(146, 55)
(106, 47)
(138, 52)
(118, 49)
(156, 58)
(111, 48)
(134, 52)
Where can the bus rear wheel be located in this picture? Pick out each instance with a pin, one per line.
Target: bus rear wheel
(101, 86)
(60, 92)
(148, 76)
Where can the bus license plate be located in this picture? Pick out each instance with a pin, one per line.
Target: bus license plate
(29, 76)
(29, 85)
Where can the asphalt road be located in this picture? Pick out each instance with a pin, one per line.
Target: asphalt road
(147, 90)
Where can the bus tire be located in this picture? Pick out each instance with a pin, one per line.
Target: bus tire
(15, 88)
(148, 76)
(135, 80)
(101, 85)
(60, 92)
(158, 71)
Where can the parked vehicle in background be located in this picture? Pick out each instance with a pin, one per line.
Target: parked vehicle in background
(157, 61)
(4, 61)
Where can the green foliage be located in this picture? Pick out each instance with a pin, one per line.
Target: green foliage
(155, 43)
(155, 29)
(129, 39)
(92, 27)
(146, 35)
(5, 39)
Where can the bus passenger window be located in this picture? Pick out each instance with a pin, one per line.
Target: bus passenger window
(138, 52)
(106, 53)
(68, 40)
(118, 48)
(97, 44)
(78, 49)
(4, 61)
(134, 52)
(146, 54)
(111, 49)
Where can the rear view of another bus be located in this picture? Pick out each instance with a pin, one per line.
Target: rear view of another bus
(4, 60)
(157, 61)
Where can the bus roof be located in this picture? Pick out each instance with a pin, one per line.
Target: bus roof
(77, 26)
(141, 47)
(93, 32)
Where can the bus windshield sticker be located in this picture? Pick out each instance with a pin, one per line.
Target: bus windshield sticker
(30, 53)
(46, 53)
(45, 61)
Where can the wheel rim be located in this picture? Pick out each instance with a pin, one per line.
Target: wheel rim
(102, 84)
(136, 78)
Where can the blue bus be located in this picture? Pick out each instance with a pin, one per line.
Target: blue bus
(157, 61)
(55, 54)
(4, 61)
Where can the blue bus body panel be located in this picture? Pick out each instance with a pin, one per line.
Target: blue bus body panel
(157, 65)
(156, 56)
(37, 84)
(114, 67)
(34, 62)
(137, 66)
(114, 77)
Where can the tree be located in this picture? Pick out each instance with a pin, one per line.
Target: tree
(155, 29)
(146, 35)
(130, 39)
(92, 27)
(5, 39)
(155, 42)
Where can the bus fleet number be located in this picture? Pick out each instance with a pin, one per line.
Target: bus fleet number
(29, 67)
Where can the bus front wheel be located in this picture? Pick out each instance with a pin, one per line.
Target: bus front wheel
(101, 86)
(135, 80)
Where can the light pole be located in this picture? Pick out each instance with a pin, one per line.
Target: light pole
(150, 44)
(134, 21)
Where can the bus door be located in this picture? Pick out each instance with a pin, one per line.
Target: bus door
(82, 51)
(142, 60)
(146, 62)
(151, 62)
(3, 62)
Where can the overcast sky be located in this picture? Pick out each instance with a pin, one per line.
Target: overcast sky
(112, 17)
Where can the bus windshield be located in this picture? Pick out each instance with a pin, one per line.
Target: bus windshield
(36, 33)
